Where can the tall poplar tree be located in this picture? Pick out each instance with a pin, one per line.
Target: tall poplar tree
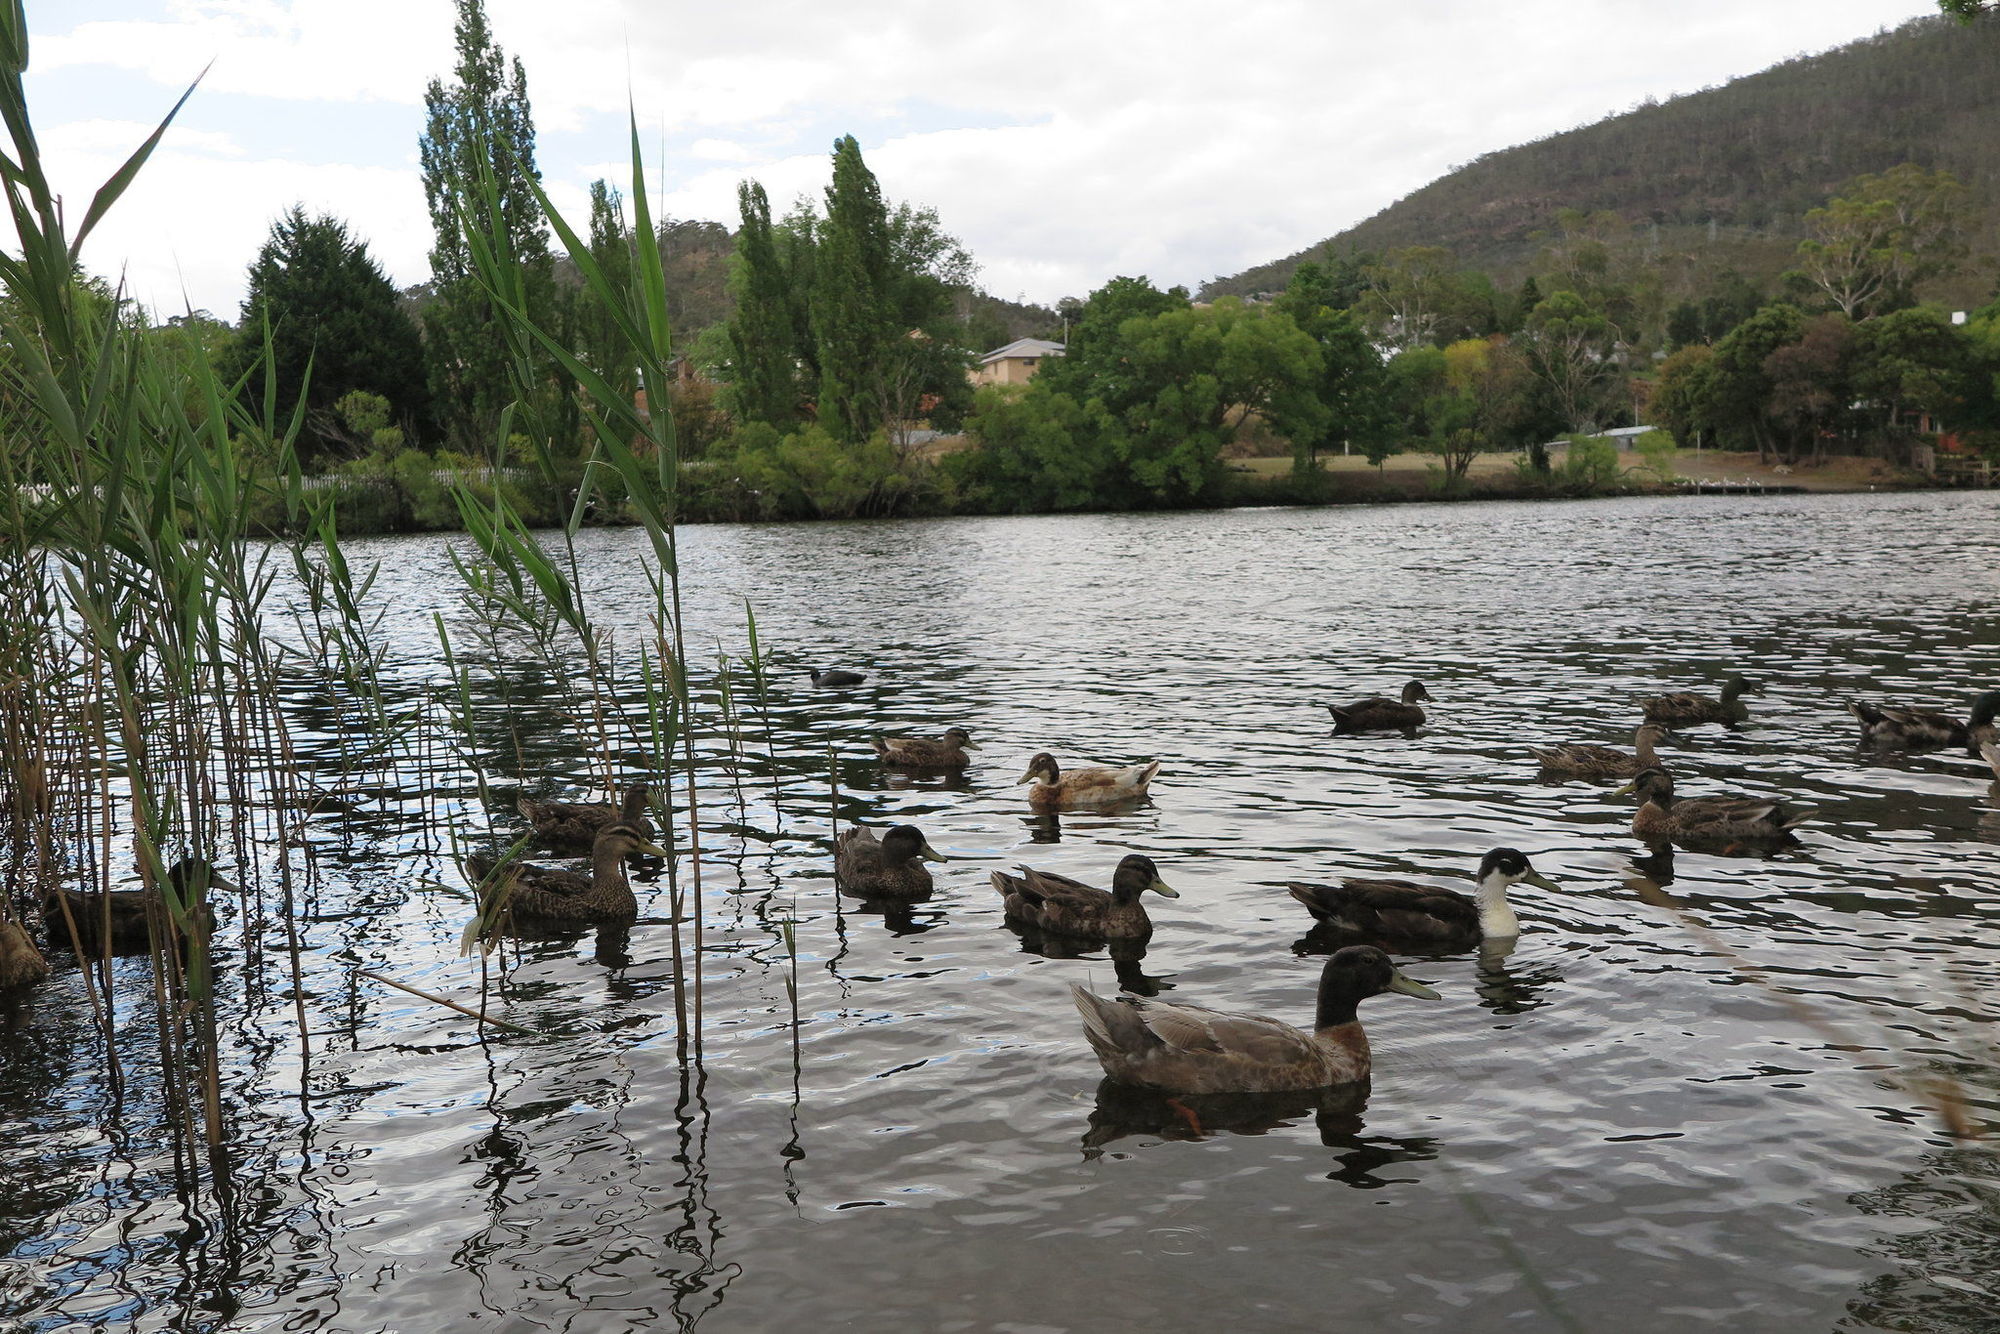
(850, 317)
(479, 124)
(762, 335)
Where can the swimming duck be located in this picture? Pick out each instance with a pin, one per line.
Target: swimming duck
(21, 964)
(1069, 907)
(1688, 709)
(922, 752)
(1097, 786)
(577, 823)
(1424, 916)
(1378, 714)
(892, 868)
(836, 676)
(1188, 1049)
(1918, 729)
(1660, 818)
(1583, 760)
(124, 911)
(554, 896)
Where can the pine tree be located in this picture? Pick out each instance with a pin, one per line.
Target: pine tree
(328, 307)
(479, 125)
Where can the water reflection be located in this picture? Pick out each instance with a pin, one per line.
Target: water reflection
(1122, 1110)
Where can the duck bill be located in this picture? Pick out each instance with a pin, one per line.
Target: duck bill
(1541, 881)
(968, 745)
(1163, 889)
(1027, 777)
(931, 854)
(1410, 987)
(1627, 790)
(652, 850)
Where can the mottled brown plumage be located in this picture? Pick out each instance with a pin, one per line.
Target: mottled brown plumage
(922, 752)
(554, 896)
(1067, 907)
(1701, 821)
(1688, 709)
(119, 916)
(1892, 728)
(1405, 913)
(1188, 1049)
(1380, 714)
(1055, 789)
(576, 824)
(21, 964)
(891, 868)
(1583, 760)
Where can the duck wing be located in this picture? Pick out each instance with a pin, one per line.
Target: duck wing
(1391, 909)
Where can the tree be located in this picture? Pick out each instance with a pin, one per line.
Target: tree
(1680, 398)
(1809, 390)
(1739, 382)
(480, 130)
(1965, 11)
(334, 327)
(598, 340)
(764, 362)
(1350, 385)
(1871, 245)
(1569, 346)
(1912, 361)
(1409, 294)
(851, 320)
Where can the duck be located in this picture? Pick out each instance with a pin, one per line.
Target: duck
(1378, 714)
(124, 911)
(1189, 1049)
(921, 752)
(1066, 907)
(1990, 752)
(1688, 709)
(1661, 819)
(1052, 789)
(21, 964)
(555, 896)
(1402, 912)
(835, 676)
(576, 823)
(1583, 760)
(892, 868)
(1918, 729)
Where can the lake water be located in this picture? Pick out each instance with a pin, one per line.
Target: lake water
(1644, 1116)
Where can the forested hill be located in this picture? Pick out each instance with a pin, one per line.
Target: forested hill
(1723, 177)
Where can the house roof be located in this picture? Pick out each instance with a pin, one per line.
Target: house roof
(1023, 347)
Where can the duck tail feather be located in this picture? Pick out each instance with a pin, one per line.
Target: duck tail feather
(1113, 1029)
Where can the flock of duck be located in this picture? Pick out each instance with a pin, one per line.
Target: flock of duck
(1142, 1041)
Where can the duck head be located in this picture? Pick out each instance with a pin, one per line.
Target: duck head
(1043, 766)
(906, 841)
(1135, 875)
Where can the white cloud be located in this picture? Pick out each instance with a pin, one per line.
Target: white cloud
(1175, 140)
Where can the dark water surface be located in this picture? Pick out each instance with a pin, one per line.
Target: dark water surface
(1636, 1119)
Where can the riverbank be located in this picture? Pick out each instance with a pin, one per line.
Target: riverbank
(386, 504)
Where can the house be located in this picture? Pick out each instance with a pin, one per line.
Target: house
(1016, 362)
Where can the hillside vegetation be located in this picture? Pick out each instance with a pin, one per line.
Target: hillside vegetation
(1721, 179)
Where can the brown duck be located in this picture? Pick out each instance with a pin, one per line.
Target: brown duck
(1583, 760)
(921, 752)
(1661, 818)
(889, 868)
(576, 824)
(1379, 714)
(1188, 1049)
(553, 896)
(119, 916)
(1688, 709)
(1069, 907)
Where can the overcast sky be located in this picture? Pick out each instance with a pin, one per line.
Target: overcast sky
(1064, 144)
